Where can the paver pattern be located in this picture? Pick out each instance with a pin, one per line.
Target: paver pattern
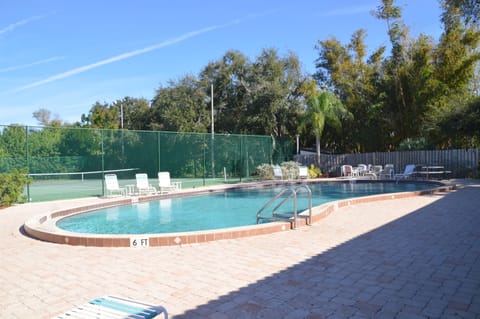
(405, 258)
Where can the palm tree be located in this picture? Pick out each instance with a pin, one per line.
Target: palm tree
(323, 108)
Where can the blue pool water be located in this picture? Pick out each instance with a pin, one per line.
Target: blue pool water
(213, 211)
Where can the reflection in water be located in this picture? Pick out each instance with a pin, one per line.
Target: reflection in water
(113, 214)
(143, 211)
(165, 210)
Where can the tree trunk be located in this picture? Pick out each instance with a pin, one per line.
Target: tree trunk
(317, 141)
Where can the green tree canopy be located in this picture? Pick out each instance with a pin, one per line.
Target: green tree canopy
(182, 106)
(102, 116)
(135, 112)
(323, 109)
(404, 95)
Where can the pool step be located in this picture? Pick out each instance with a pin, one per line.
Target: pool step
(284, 195)
(282, 217)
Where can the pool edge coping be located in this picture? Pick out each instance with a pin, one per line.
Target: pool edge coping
(42, 226)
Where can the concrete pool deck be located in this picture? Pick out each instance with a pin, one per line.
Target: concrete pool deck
(417, 257)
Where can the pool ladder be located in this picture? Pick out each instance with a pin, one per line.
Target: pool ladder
(291, 193)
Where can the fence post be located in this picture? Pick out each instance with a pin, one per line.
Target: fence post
(242, 159)
(103, 162)
(27, 161)
(204, 158)
(158, 151)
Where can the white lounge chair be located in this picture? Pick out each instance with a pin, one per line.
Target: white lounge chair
(374, 171)
(113, 307)
(165, 184)
(377, 169)
(361, 169)
(111, 185)
(143, 186)
(346, 170)
(387, 172)
(303, 172)
(407, 173)
(277, 172)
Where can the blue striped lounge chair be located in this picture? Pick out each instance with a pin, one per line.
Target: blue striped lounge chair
(113, 307)
(407, 173)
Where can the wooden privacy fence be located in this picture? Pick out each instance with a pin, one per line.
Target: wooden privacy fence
(461, 162)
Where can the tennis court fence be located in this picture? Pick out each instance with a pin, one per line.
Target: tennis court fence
(68, 162)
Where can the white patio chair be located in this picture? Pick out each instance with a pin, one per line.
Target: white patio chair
(361, 169)
(303, 172)
(165, 184)
(346, 170)
(111, 185)
(277, 172)
(143, 185)
(387, 172)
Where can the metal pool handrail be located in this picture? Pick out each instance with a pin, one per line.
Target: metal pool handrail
(293, 194)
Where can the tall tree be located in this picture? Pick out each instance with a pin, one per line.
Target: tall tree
(102, 116)
(276, 94)
(181, 107)
(44, 117)
(260, 97)
(397, 33)
(323, 109)
(230, 77)
(12, 141)
(347, 71)
(134, 112)
(467, 11)
(456, 68)
(463, 124)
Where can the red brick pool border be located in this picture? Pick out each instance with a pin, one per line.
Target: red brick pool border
(43, 226)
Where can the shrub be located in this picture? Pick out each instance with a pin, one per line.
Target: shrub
(314, 172)
(11, 187)
(290, 169)
(264, 171)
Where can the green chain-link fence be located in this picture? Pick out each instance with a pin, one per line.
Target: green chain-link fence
(71, 162)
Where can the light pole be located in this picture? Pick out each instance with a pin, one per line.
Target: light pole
(213, 131)
(121, 115)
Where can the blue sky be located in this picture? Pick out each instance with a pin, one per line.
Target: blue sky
(65, 55)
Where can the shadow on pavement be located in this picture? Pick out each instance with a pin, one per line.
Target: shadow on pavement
(424, 265)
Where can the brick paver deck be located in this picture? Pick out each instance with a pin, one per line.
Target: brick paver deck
(405, 258)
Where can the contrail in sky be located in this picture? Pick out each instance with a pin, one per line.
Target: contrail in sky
(17, 24)
(25, 66)
(124, 56)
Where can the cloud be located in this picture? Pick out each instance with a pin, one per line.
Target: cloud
(25, 66)
(126, 55)
(13, 26)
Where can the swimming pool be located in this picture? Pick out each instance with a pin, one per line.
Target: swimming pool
(231, 208)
